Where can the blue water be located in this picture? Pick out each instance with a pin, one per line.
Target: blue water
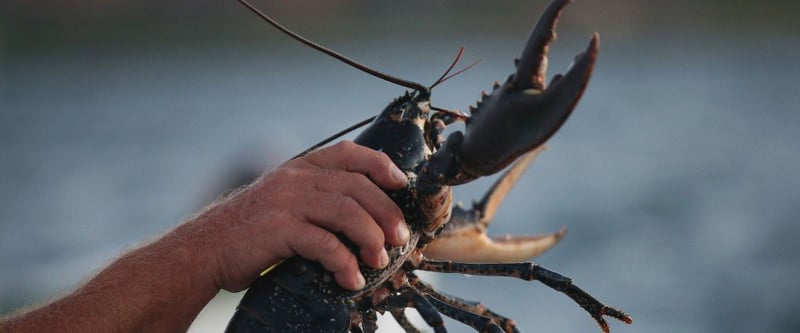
(676, 177)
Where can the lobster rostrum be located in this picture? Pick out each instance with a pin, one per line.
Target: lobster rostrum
(510, 124)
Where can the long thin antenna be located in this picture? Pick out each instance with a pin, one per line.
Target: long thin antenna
(453, 64)
(340, 57)
(445, 78)
(335, 136)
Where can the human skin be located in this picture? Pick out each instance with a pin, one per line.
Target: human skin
(292, 210)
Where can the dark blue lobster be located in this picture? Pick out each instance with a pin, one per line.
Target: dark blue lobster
(515, 120)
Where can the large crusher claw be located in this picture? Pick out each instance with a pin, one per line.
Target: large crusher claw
(520, 114)
(524, 112)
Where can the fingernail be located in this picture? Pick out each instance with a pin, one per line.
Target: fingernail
(384, 258)
(398, 174)
(402, 232)
(360, 282)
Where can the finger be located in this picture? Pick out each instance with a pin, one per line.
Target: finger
(350, 156)
(317, 244)
(371, 198)
(340, 213)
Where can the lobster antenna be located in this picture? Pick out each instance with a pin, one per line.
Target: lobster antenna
(340, 57)
(453, 113)
(335, 136)
(454, 74)
(455, 61)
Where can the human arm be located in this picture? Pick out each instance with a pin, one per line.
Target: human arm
(289, 211)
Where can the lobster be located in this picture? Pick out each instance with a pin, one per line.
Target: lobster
(510, 124)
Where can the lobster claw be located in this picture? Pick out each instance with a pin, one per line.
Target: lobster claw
(523, 113)
(465, 237)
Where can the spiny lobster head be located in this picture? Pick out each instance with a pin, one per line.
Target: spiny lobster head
(411, 107)
(399, 130)
(524, 112)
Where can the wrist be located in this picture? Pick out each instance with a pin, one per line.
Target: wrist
(207, 236)
(192, 251)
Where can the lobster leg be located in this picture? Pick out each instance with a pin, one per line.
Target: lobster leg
(479, 323)
(507, 324)
(369, 321)
(465, 239)
(530, 271)
(400, 317)
(414, 299)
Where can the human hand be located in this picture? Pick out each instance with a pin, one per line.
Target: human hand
(296, 209)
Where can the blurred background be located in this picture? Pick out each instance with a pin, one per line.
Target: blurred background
(676, 176)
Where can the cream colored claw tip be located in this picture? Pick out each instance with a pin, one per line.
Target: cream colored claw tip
(473, 246)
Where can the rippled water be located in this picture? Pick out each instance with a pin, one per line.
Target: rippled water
(676, 176)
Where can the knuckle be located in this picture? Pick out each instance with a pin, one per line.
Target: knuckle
(397, 216)
(390, 220)
(348, 261)
(374, 244)
(384, 159)
(345, 146)
(347, 206)
(359, 180)
(327, 243)
(383, 164)
(394, 211)
(371, 238)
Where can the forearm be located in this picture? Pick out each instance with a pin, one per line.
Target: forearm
(160, 287)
